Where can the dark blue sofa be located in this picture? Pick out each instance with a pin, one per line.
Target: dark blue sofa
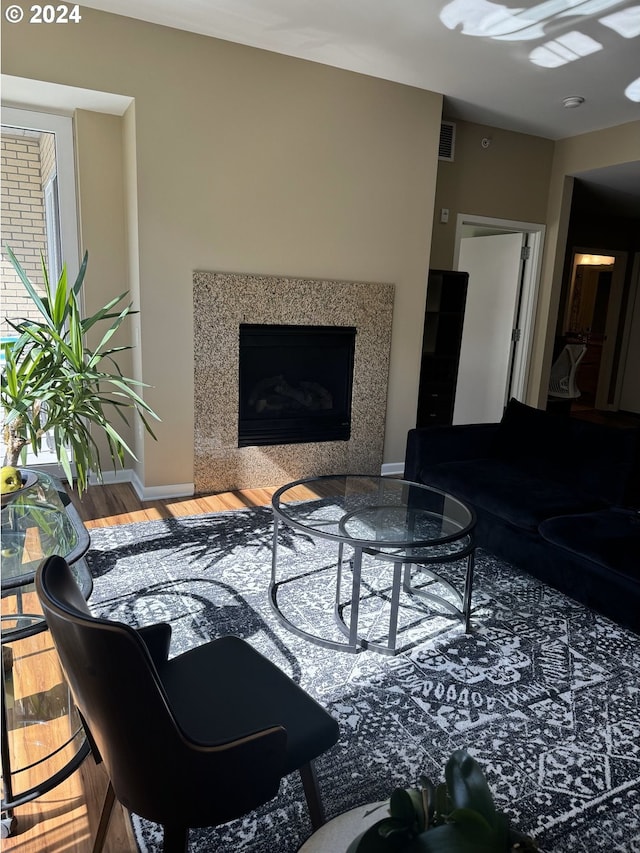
(554, 495)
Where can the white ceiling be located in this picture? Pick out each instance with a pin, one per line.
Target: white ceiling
(491, 61)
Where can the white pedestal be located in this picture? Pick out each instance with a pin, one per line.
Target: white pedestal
(336, 835)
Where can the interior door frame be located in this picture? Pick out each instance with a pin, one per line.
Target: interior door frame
(530, 276)
(630, 308)
(614, 308)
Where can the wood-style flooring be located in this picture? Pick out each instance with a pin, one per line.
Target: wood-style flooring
(623, 420)
(65, 819)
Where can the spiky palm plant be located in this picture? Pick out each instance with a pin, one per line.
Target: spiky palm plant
(53, 382)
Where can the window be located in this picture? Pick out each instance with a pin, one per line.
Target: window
(39, 202)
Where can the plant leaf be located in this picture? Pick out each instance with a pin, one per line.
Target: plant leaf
(468, 787)
(25, 280)
(403, 805)
(52, 381)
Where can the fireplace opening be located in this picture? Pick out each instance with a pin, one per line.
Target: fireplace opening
(295, 384)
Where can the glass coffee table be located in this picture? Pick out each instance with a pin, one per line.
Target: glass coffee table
(421, 531)
(42, 740)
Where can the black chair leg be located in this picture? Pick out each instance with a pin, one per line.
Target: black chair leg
(105, 817)
(312, 794)
(176, 838)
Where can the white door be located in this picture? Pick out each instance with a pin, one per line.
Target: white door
(494, 267)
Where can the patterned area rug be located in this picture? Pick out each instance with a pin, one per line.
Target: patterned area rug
(543, 693)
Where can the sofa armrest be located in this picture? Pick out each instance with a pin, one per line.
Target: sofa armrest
(432, 445)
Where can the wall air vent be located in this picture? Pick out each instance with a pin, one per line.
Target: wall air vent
(447, 146)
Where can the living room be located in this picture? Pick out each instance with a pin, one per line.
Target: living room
(199, 155)
(363, 215)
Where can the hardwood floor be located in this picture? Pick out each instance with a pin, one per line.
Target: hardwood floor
(614, 419)
(65, 819)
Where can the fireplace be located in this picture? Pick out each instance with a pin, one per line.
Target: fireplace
(295, 383)
(224, 301)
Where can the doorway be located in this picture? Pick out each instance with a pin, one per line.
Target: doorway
(592, 316)
(503, 260)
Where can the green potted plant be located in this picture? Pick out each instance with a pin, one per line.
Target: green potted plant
(53, 382)
(457, 816)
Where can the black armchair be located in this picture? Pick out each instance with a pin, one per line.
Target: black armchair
(196, 740)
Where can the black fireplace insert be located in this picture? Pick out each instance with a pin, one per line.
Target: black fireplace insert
(295, 384)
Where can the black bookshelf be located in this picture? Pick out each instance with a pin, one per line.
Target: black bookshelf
(442, 337)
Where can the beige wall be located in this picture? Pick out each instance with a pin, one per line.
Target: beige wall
(248, 161)
(507, 180)
(572, 156)
(100, 186)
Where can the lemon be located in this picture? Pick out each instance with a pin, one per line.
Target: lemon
(10, 479)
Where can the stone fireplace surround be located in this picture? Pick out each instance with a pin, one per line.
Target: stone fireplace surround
(221, 302)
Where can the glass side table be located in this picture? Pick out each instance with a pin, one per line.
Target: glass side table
(42, 739)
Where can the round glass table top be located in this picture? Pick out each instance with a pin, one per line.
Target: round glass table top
(39, 522)
(379, 512)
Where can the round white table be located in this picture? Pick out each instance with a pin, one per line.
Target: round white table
(336, 835)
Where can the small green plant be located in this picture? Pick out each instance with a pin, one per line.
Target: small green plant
(52, 382)
(457, 816)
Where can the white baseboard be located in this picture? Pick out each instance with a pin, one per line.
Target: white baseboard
(185, 490)
(157, 493)
(122, 475)
(392, 469)
(144, 493)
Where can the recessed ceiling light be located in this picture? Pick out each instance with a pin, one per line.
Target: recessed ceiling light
(573, 101)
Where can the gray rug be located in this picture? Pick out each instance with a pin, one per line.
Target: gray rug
(544, 693)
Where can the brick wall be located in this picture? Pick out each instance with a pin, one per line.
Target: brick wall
(23, 224)
(47, 156)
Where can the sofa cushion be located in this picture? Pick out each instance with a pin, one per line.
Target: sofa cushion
(596, 458)
(526, 432)
(521, 493)
(610, 538)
